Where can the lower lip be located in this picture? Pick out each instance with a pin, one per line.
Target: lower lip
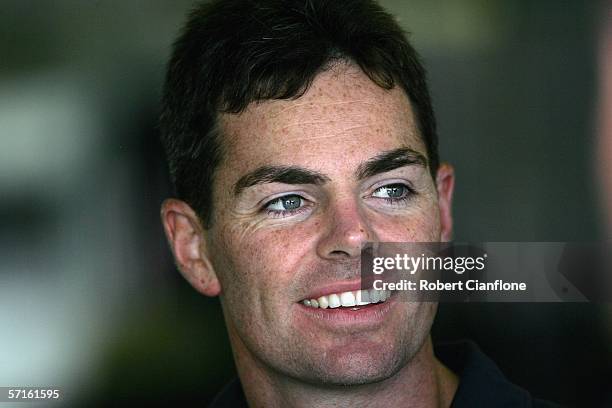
(367, 315)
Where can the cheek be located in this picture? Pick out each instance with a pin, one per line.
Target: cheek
(257, 263)
(421, 224)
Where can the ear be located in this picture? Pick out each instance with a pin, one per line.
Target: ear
(187, 241)
(445, 183)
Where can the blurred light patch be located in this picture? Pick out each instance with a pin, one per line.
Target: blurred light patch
(49, 132)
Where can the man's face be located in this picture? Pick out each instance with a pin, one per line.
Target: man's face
(304, 185)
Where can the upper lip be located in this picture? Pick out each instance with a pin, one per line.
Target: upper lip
(338, 287)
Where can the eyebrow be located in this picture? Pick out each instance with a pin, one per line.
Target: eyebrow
(390, 160)
(279, 174)
(383, 162)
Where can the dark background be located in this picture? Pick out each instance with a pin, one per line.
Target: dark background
(89, 297)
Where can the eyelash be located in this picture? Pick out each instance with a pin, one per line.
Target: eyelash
(284, 213)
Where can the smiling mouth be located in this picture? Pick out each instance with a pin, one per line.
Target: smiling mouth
(351, 299)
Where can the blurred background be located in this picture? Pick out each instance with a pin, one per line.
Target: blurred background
(89, 297)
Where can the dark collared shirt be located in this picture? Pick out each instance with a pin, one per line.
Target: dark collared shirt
(481, 383)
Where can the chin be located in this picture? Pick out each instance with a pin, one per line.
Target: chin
(357, 375)
(343, 368)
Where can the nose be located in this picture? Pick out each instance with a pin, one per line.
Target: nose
(346, 231)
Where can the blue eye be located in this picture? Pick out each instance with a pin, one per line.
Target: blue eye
(393, 192)
(285, 205)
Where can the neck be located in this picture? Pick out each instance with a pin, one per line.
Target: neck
(423, 382)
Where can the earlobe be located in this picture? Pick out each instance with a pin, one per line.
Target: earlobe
(186, 238)
(445, 184)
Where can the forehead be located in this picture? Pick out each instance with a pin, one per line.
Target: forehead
(343, 112)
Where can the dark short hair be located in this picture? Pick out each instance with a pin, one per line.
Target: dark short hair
(234, 52)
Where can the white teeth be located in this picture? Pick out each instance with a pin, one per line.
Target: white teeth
(334, 301)
(348, 299)
(362, 297)
(323, 302)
